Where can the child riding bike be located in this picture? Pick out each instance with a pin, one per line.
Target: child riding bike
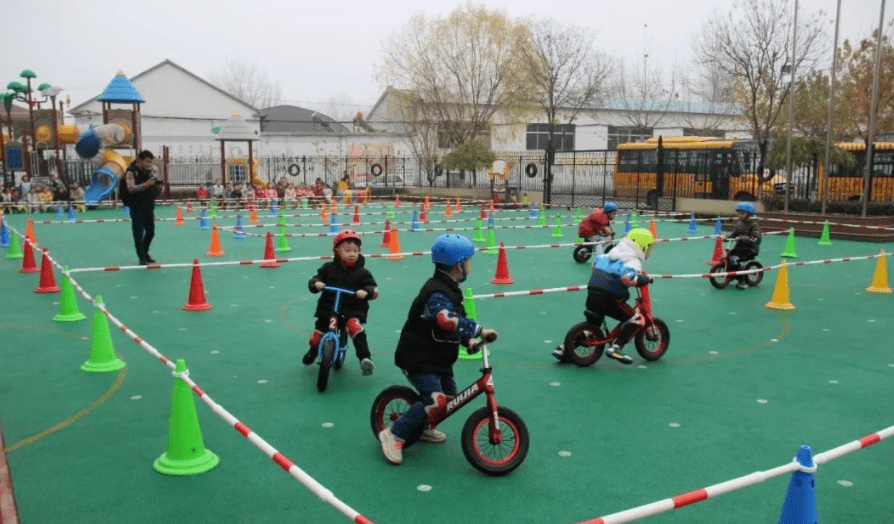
(747, 233)
(347, 271)
(597, 225)
(607, 291)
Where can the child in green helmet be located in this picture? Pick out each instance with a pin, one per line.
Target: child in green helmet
(607, 291)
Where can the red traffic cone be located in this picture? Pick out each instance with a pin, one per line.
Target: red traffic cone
(396, 200)
(423, 216)
(459, 208)
(196, 291)
(483, 214)
(492, 205)
(448, 211)
(502, 274)
(189, 206)
(356, 220)
(269, 256)
(386, 236)
(47, 282)
(718, 252)
(28, 265)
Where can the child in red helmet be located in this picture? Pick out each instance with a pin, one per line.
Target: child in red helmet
(346, 271)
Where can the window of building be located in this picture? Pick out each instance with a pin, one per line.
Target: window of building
(445, 140)
(563, 137)
(621, 134)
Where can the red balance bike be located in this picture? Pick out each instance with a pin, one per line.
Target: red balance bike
(585, 342)
(722, 280)
(494, 438)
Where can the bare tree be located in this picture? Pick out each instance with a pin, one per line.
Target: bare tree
(247, 82)
(708, 99)
(753, 44)
(644, 95)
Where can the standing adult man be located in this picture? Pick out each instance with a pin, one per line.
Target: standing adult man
(139, 193)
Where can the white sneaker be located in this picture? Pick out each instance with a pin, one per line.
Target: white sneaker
(615, 352)
(392, 447)
(430, 434)
(367, 367)
(559, 352)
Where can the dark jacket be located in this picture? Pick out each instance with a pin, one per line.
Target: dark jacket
(749, 233)
(424, 347)
(141, 196)
(335, 274)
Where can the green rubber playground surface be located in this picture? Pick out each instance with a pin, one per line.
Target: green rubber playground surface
(739, 390)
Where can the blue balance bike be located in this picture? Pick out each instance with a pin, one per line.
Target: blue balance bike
(334, 343)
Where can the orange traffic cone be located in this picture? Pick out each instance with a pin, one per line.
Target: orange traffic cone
(269, 256)
(324, 216)
(425, 205)
(394, 246)
(718, 252)
(386, 234)
(459, 208)
(492, 205)
(502, 274)
(652, 228)
(29, 232)
(334, 207)
(28, 265)
(214, 250)
(47, 282)
(253, 216)
(196, 291)
(880, 278)
(179, 220)
(447, 211)
(780, 298)
(423, 216)
(356, 219)
(396, 201)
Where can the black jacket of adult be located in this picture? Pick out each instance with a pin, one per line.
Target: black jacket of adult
(145, 198)
(335, 274)
(424, 347)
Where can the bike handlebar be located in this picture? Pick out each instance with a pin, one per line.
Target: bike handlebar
(339, 290)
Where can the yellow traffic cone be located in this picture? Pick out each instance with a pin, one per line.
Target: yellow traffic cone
(880, 279)
(780, 298)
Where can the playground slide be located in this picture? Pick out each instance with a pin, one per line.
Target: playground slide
(112, 165)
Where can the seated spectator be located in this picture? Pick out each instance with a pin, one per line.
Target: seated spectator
(76, 196)
(202, 192)
(291, 194)
(44, 199)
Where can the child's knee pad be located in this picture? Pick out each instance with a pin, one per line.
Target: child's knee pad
(354, 327)
(315, 338)
(435, 403)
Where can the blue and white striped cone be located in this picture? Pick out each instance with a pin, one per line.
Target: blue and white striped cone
(533, 212)
(627, 226)
(239, 232)
(59, 211)
(800, 498)
(272, 212)
(71, 213)
(4, 234)
(415, 225)
(203, 223)
(490, 220)
(125, 210)
(718, 229)
(333, 224)
(692, 227)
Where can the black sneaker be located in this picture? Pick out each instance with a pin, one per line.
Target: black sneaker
(150, 259)
(309, 357)
(143, 262)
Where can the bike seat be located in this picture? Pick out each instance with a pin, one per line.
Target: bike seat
(592, 316)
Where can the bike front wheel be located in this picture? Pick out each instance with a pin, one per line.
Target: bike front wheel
(720, 281)
(754, 278)
(582, 254)
(495, 458)
(580, 346)
(653, 340)
(389, 406)
(325, 364)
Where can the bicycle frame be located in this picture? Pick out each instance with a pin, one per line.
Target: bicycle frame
(334, 333)
(642, 305)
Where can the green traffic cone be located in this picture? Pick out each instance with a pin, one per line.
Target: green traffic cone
(541, 218)
(15, 249)
(578, 216)
(303, 203)
(212, 210)
(824, 238)
(491, 243)
(391, 212)
(790, 245)
(634, 223)
(557, 232)
(186, 454)
(282, 243)
(68, 302)
(479, 234)
(471, 314)
(102, 353)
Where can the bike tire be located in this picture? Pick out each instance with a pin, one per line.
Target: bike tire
(719, 282)
(581, 254)
(328, 351)
(754, 278)
(652, 341)
(339, 360)
(488, 457)
(576, 347)
(389, 405)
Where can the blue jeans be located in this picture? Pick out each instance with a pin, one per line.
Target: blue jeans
(426, 384)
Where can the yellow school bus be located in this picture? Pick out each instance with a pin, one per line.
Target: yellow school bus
(694, 166)
(846, 182)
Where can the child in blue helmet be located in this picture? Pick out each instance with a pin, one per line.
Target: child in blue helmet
(747, 233)
(597, 225)
(429, 342)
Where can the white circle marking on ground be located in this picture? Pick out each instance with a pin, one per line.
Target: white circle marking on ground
(557, 384)
(262, 381)
(215, 351)
(674, 424)
(845, 483)
(136, 397)
(328, 424)
(423, 487)
(564, 453)
(833, 381)
(761, 401)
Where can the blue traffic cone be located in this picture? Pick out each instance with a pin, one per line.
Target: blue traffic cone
(239, 232)
(59, 211)
(414, 226)
(333, 224)
(692, 227)
(203, 223)
(800, 499)
(71, 213)
(627, 226)
(125, 210)
(4, 234)
(490, 220)
(533, 212)
(718, 228)
(272, 212)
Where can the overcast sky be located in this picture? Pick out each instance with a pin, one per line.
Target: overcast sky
(321, 50)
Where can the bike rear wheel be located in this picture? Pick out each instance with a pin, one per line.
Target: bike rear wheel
(495, 459)
(579, 346)
(652, 341)
(389, 406)
(754, 278)
(582, 253)
(328, 352)
(719, 282)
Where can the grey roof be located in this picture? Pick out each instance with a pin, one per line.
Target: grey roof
(298, 120)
